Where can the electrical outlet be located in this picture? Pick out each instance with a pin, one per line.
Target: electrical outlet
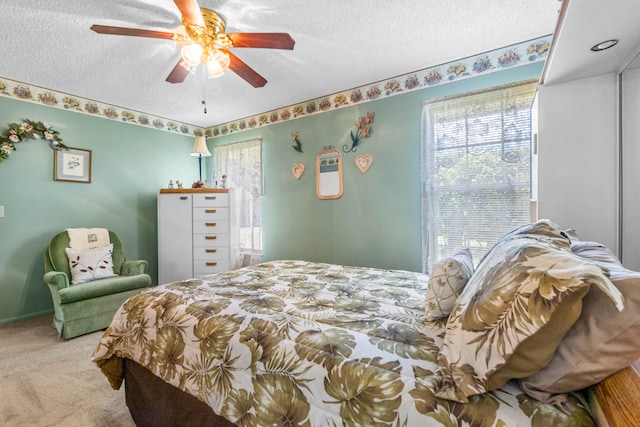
(1, 211)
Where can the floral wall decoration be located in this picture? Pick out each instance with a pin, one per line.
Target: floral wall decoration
(298, 146)
(25, 130)
(363, 130)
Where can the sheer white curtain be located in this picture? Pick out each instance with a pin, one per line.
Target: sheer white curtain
(476, 169)
(239, 167)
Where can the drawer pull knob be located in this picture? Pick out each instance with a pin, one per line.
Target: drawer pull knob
(211, 264)
(183, 197)
(211, 251)
(210, 210)
(210, 224)
(211, 237)
(210, 197)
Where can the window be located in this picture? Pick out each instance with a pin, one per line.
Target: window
(241, 164)
(476, 169)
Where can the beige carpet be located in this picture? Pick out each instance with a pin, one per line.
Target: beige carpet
(45, 381)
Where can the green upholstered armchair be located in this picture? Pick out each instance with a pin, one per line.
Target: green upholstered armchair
(90, 306)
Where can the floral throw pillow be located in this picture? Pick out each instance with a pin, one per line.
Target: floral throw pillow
(447, 279)
(90, 264)
(507, 323)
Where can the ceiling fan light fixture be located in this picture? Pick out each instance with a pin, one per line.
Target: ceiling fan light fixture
(192, 54)
(217, 63)
(202, 40)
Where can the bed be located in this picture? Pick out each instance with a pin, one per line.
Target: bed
(292, 342)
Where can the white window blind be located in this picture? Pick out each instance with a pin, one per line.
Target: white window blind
(476, 169)
(241, 164)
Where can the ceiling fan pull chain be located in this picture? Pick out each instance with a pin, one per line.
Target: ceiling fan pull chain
(203, 99)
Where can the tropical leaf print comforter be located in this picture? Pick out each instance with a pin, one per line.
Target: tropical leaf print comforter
(310, 344)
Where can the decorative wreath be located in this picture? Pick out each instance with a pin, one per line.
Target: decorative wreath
(27, 129)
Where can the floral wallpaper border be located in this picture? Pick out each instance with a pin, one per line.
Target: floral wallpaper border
(511, 56)
(31, 93)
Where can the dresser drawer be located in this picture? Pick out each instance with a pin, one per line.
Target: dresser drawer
(202, 268)
(210, 200)
(205, 214)
(210, 239)
(210, 253)
(212, 226)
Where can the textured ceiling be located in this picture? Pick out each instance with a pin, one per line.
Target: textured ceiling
(340, 44)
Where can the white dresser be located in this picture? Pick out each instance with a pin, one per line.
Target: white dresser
(195, 234)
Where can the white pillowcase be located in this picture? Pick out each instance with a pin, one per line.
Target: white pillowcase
(448, 277)
(90, 264)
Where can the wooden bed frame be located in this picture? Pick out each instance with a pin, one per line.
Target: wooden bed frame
(618, 397)
(152, 402)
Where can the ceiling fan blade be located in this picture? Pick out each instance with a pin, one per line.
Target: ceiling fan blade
(190, 12)
(262, 40)
(136, 32)
(244, 71)
(179, 72)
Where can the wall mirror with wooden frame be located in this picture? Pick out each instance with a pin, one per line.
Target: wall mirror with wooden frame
(329, 173)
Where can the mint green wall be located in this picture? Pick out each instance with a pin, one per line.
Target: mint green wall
(377, 221)
(130, 163)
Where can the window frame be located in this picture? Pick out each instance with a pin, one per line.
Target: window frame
(492, 105)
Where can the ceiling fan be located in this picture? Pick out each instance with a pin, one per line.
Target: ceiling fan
(206, 43)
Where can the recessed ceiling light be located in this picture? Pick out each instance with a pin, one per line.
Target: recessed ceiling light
(604, 45)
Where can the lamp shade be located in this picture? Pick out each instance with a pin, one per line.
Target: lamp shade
(200, 147)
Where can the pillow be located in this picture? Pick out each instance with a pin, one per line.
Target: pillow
(446, 281)
(572, 234)
(601, 342)
(521, 300)
(543, 231)
(90, 264)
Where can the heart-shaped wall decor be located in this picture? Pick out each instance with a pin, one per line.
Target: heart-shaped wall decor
(363, 162)
(297, 170)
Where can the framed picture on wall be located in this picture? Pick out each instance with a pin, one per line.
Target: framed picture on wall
(72, 164)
